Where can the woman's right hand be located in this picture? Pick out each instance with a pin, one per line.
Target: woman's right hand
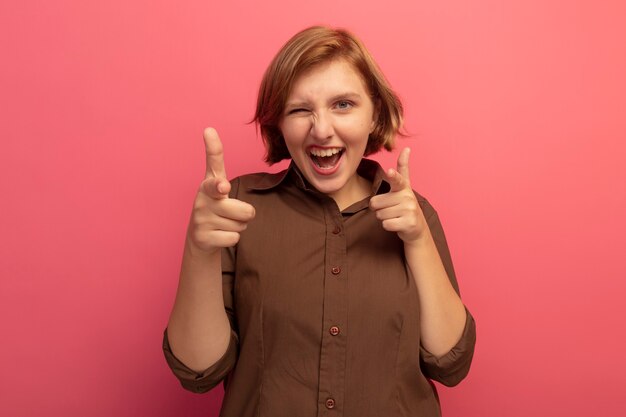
(216, 220)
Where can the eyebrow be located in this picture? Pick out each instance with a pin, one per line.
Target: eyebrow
(342, 96)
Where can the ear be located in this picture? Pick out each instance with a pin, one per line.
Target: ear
(375, 115)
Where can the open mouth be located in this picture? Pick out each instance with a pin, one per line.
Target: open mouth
(326, 158)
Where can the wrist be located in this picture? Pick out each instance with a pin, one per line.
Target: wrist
(422, 240)
(194, 250)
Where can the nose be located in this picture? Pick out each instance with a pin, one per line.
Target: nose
(322, 126)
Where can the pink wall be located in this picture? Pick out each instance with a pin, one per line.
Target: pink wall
(518, 115)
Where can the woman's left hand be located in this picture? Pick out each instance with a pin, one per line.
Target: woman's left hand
(398, 210)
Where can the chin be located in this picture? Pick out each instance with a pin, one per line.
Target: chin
(329, 186)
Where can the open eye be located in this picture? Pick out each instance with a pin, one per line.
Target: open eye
(344, 105)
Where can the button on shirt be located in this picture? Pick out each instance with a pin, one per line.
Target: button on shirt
(324, 315)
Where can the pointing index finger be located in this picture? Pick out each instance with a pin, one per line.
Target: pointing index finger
(399, 178)
(403, 163)
(214, 154)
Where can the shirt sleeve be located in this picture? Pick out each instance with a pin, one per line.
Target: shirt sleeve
(219, 371)
(203, 381)
(451, 368)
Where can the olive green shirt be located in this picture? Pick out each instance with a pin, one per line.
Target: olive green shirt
(325, 317)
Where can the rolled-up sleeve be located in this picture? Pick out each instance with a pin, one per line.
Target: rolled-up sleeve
(451, 368)
(203, 381)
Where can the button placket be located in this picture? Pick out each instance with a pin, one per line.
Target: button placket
(334, 319)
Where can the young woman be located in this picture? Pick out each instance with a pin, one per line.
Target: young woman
(328, 288)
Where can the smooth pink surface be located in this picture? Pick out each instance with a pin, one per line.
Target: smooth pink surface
(517, 112)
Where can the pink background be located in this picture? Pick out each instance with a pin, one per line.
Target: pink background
(517, 111)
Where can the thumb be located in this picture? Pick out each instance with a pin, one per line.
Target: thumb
(214, 155)
(216, 188)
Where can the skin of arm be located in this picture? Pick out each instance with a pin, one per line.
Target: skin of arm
(198, 329)
(442, 313)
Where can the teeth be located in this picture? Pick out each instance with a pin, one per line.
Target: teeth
(325, 152)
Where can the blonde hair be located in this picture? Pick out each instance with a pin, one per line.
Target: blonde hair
(306, 49)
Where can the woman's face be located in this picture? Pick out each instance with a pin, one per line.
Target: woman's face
(326, 124)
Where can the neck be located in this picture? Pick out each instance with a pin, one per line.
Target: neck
(359, 189)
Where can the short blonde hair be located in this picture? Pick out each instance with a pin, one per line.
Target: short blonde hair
(306, 49)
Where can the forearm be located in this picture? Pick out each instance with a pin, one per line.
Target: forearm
(198, 328)
(442, 313)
